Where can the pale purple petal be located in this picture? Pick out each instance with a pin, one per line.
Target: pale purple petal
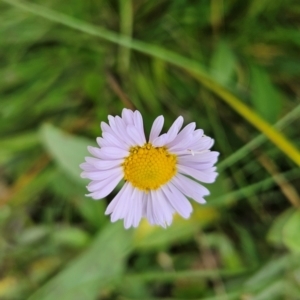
(136, 136)
(134, 214)
(189, 186)
(113, 141)
(100, 164)
(203, 143)
(186, 131)
(128, 218)
(87, 167)
(177, 200)
(174, 129)
(94, 151)
(119, 129)
(119, 197)
(127, 116)
(182, 144)
(156, 128)
(100, 175)
(138, 122)
(160, 141)
(144, 206)
(124, 136)
(206, 156)
(149, 210)
(162, 208)
(121, 207)
(207, 177)
(102, 142)
(138, 205)
(108, 185)
(106, 128)
(112, 153)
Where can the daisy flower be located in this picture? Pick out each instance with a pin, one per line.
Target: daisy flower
(159, 174)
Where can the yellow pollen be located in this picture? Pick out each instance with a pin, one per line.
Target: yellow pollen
(148, 168)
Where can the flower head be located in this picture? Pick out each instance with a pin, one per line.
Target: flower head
(157, 173)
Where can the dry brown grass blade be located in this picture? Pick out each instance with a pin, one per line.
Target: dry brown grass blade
(26, 178)
(116, 88)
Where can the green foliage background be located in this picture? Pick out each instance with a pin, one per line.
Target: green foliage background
(231, 66)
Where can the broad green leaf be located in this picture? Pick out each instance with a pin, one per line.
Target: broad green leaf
(223, 63)
(67, 150)
(70, 236)
(99, 266)
(265, 97)
(275, 234)
(291, 236)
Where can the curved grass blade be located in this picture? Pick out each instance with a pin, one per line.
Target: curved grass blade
(188, 65)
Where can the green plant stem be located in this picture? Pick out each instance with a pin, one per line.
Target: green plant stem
(257, 141)
(251, 189)
(171, 276)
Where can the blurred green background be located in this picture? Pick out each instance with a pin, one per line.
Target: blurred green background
(232, 66)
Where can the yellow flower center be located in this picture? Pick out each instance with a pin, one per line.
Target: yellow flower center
(148, 168)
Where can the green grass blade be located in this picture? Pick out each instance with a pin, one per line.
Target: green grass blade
(188, 65)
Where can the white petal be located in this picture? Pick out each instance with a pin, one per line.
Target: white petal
(149, 210)
(186, 131)
(121, 207)
(144, 206)
(119, 129)
(100, 175)
(198, 134)
(113, 141)
(203, 143)
(199, 158)
(174, 129)
(122, 128)
(112, 205)
(201, 166)
(134, 213)
(156, 128)
(112, 153)
(160, 141)
(198, 198)
(189, 186)
(203, 176)
(100, 164)
(127, 116)
(157, 213)
(106, 128)
(87, 167)
(182, 143)
(135, 135)
(94, 151)
(138, 122)
(102, 142)
(156, 217)
(108, 185)
(138, 205)
(128, 218)
(177, 200)
(163, 207)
